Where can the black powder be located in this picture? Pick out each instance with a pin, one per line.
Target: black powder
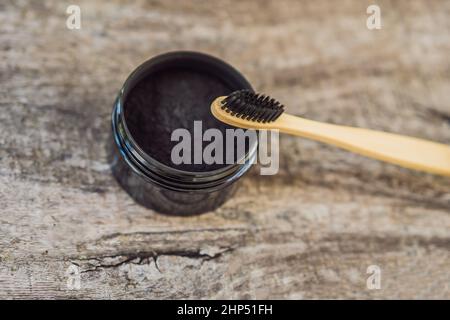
(170, 99)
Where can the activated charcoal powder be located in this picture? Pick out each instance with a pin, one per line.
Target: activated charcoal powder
(173, 98)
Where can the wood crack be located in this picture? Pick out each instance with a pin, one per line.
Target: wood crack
(145, 258)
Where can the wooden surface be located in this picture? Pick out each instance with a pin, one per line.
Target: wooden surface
(309, 232)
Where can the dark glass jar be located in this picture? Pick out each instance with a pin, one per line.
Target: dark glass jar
(155, 184)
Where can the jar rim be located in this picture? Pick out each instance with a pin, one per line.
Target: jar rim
(155, 171)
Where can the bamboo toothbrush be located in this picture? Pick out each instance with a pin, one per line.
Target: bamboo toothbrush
(246, 109)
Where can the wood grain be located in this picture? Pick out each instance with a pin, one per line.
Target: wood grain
(309, 232)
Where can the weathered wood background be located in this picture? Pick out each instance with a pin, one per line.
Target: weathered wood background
(309, 232)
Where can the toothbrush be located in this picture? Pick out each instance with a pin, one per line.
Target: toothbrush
(249, 110)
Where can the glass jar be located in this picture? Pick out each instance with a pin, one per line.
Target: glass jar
(157, 185)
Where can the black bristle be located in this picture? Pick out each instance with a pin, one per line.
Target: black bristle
(252, 106)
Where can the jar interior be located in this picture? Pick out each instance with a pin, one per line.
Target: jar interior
(172, 96)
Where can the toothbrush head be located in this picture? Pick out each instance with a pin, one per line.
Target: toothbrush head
(251, 106)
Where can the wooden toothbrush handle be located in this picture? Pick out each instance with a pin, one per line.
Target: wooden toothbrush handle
(405, 151)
